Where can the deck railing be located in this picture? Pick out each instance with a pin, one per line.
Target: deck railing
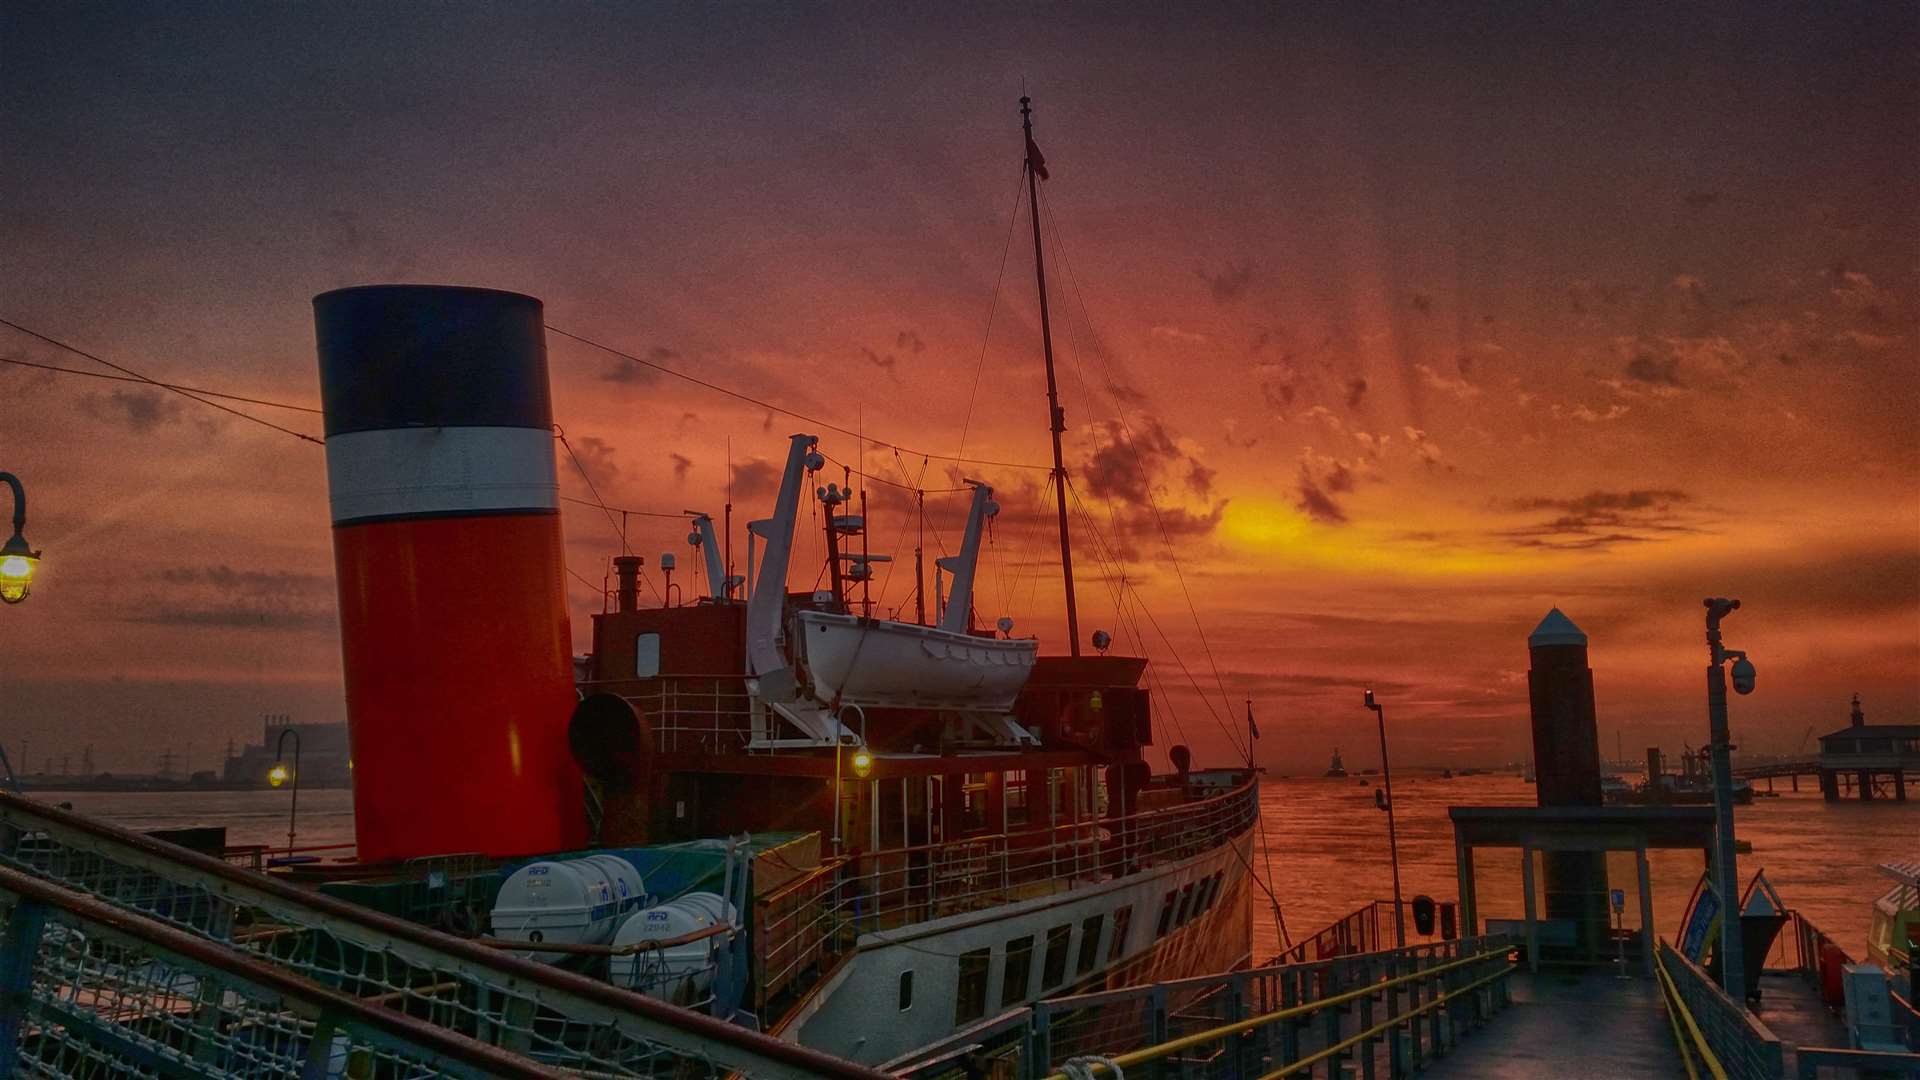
(1391, 1010)
(1364, 929)
(551, 1016)
(808, 923)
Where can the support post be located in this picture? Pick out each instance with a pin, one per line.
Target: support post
(1646, 905)
(19, 946)
(1463, 869)
(1533, 919)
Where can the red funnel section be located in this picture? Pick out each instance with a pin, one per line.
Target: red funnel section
(446, 534)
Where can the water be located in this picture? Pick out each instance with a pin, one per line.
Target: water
(1328, 846)
(1330, 856)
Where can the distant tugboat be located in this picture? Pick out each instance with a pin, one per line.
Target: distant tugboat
(1337, 769)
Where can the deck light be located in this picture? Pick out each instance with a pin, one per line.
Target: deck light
(862, 763)
(277, 775)
(17, 557)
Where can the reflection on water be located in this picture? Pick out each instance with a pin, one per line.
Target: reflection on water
(1328, 846)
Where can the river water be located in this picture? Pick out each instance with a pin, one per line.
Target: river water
(1327, 845)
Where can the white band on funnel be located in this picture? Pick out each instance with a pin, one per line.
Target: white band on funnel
(420, 471)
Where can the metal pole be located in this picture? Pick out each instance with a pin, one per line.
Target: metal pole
(1393, 838)
(1056, 418)
(279, 748)
(1726, 880)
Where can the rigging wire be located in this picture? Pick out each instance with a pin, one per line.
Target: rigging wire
(1127, 433)
(171, 388)
(597, 500)
(625, 510)
(993, 307)
(769, 406)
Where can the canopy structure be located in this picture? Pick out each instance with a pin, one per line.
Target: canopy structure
(1572, 828)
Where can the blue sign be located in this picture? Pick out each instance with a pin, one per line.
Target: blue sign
(1701, 923)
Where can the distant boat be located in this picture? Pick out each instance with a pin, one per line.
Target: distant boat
(1446, 774)
(1337, 769)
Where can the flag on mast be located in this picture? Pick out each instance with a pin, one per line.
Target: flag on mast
(1253, 729)
(1036, 160)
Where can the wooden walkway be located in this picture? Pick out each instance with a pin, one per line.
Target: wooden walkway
(1569, 1025)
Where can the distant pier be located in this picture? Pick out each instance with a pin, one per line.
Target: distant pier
(1862, 760)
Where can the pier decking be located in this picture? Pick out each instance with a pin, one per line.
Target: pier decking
(1558, 1024)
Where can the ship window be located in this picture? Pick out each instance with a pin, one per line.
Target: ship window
(646, 656)
(1213, 893)
(970, 1000)
(1186, 902)
(1166, 913)
(1122, 922)
(1014, 978)
(973, 801)
(1016, 797)
(906, 990)
(1055, 971)
(1089, 944)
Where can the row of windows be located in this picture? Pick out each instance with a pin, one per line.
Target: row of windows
(970, 1002)
(1190, 902)
(1181, 906)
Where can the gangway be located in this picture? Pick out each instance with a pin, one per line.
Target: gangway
(123, 953)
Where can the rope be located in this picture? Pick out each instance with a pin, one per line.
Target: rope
(1083, 1067)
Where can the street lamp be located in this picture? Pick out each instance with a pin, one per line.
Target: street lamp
(280, 774)
(1393, 840)
(1733, 969)
(17, 559)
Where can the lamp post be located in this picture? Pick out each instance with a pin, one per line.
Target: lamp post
(1726, 882)
(17, 558)
(279, 775)
(1393, 839)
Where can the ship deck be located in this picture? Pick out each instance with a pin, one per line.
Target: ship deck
(1559, 1024)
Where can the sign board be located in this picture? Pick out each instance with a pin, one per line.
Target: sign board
(1619, 899)
(1702, 921)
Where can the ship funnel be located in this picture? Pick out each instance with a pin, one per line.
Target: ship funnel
(446, 540)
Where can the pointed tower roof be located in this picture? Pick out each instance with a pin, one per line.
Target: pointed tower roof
(1556, 629)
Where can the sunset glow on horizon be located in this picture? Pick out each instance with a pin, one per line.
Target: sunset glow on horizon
(1379, 335)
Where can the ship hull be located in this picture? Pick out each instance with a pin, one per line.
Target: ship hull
(875, 663)
(858, 1013)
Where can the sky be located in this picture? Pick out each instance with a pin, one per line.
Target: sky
(1381, 330)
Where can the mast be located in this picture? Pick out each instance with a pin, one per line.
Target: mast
(1056, 415)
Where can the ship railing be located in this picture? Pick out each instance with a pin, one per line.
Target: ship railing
(811, 921)
(1815, 957)
(694, 714)
(557, 1018)
(1387, 1011)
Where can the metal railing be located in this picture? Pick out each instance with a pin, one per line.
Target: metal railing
(1717, 1030)
(554, 1017)
(91, 990)
(1365, 929)
(1393, 1010)
(805, 925)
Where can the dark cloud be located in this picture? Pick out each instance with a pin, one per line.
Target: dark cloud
(621, 370)
(1602, 519)
(221, 597)
(1423, 303)
(1356, 392)
(884, 363)
(594, 457)
(1316, 503)
(1200, 479)
(1137, 470)
(682, 465)
(1654, 371)
(139, 411)
(755, 478)
(1230, 283)
(910, 341)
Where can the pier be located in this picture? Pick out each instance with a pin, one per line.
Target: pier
(1862, 760)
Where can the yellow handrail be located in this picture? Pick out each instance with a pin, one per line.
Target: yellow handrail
(1240, 1027)
(1391, 1022)
(1693, 1026)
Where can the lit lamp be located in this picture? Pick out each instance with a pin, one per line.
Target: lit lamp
(862, 763)
(17, 559)
(280, 774)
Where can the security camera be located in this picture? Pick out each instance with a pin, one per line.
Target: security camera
(1743, 675)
